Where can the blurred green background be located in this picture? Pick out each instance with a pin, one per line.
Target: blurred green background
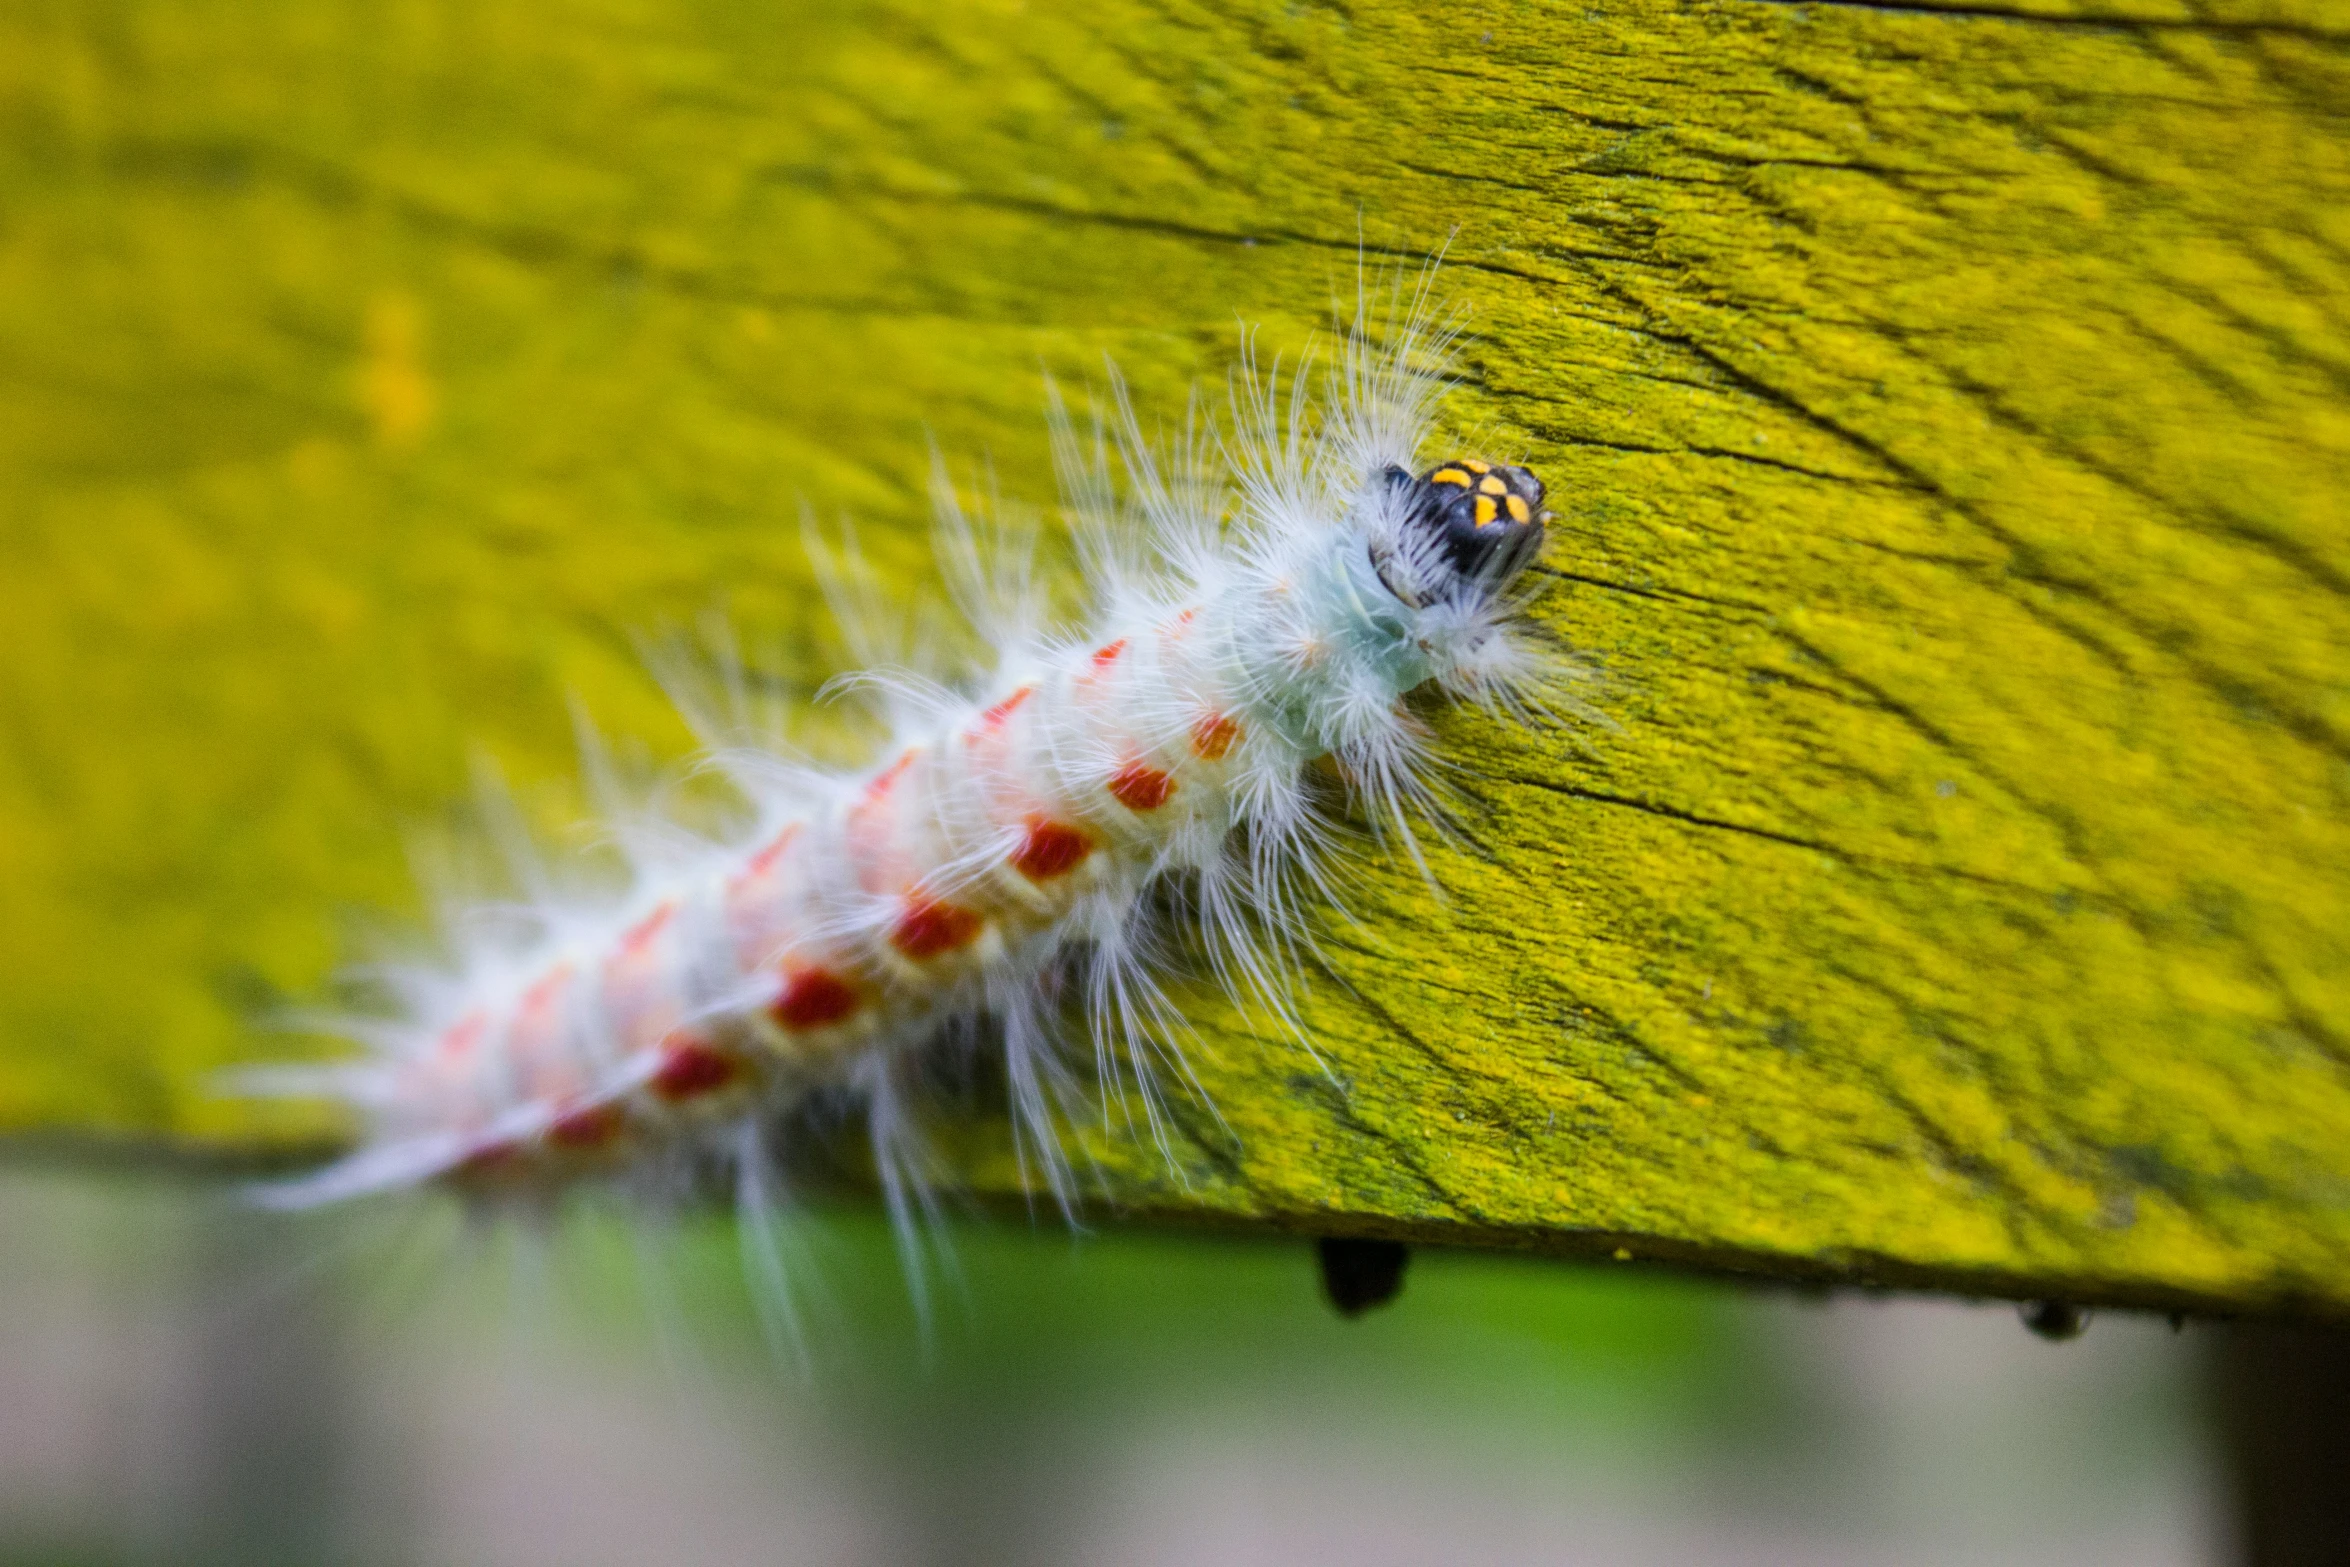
(183, 1381)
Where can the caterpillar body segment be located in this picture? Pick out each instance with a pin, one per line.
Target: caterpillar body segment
(1257, 607)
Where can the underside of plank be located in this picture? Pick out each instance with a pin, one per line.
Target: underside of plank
(1944, 411)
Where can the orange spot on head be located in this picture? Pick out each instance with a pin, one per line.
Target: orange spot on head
(1449, 476)
(1140, 787)
(1490, 485)
(1050, 850)
(690, 1068)
(590, 1126)
(813, 998)
(1486, 511)
(928, 929)
(1103, 657)
(1214, 736)
(1518, 509)
(1474, 466)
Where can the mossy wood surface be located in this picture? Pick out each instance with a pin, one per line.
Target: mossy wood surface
(1945, 412)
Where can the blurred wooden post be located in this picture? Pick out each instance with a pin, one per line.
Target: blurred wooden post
(1944, 411)
(2283, 1402)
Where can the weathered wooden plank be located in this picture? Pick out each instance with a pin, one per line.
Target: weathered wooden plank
(1946, 410)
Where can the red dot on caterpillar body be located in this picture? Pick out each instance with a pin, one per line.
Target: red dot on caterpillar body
(813, 998)
(886, 780)
(489, 1158)
(994, 717)
(591, 1126)
(1104, 656)
(1213, 737)
(1050, 850)
(764, 861)
(641, 934)
(460, 1037)
(1140, 787)
(928, 929)
(690, 1068)
(545, 991)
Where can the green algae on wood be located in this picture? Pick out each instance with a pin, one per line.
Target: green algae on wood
(1946, 415)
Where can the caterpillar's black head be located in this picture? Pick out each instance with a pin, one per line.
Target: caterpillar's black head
(1466, 526)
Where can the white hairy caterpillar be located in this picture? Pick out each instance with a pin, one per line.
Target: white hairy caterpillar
(1260, 602)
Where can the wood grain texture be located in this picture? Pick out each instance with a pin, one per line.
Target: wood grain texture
(1945, 410)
